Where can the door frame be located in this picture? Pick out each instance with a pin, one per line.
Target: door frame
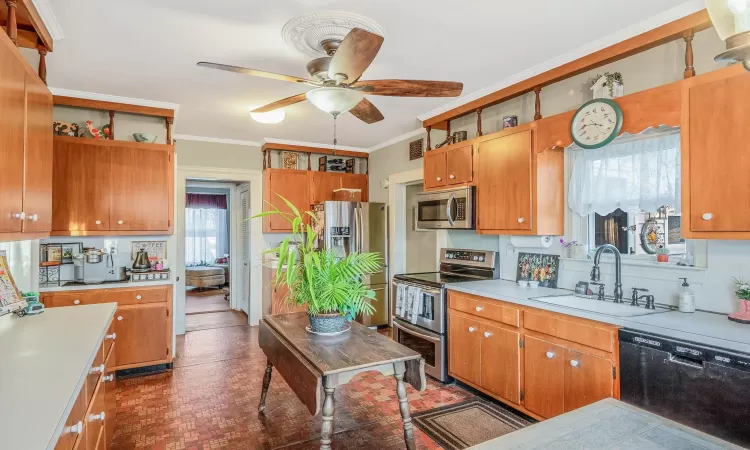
(216, 174)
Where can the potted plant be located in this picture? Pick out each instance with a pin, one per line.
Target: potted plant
(742, 290)
(662, 254)
(329, 284)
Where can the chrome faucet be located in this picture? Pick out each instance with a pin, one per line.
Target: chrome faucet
(596, 273)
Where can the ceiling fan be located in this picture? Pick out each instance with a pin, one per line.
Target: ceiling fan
(337, 83)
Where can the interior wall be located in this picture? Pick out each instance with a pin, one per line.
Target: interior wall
(421, 246)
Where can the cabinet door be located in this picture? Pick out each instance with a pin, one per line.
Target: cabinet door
(95, 418)
(141, 333)
(356, 181)
(110, 399)
(501, 362)
(80, 186)
(504, 186)
(719, 155)
(435, 170)
(323, 185)
(460, 163)
(588, 379)
(464, 342)
(544, 371)
(37, 189)
(294, 186)
(12, 81)
(140, 189)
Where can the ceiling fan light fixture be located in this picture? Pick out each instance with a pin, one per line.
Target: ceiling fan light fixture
(731, 20)
(270, 117)
(334, 100)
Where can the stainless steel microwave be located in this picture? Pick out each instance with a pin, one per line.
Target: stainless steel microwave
(449, 209)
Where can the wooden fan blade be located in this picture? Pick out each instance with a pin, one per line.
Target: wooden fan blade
(367, 112)
(284, 102)
(354, 55)
(256, 73)
(410, 88)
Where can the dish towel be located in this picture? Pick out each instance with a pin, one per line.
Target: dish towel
(416, 307)
(400, 299)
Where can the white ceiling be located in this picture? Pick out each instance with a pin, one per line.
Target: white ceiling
(147, 49)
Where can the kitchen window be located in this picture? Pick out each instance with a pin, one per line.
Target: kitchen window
(628, 194)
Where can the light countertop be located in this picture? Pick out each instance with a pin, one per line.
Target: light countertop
(44, 360)
(607, 424)
(114, 285)
(700, 327)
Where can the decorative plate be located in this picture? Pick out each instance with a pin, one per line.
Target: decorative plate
(346, 328)
(596, 123)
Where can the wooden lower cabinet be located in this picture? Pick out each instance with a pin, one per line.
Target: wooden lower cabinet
(571, 363)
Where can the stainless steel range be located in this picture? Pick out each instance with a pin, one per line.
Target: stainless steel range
(420, 308)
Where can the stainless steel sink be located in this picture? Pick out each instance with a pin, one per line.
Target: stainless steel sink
(606, 307)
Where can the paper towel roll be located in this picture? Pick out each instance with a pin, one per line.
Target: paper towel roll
(532, 241)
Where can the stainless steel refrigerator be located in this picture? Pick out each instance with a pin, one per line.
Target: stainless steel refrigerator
(359, 227)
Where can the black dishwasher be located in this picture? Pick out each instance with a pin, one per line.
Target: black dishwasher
(702, 387)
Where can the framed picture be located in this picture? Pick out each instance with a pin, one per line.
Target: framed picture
(69, 250)
(9, 292)
(538, 267)
(54, 253)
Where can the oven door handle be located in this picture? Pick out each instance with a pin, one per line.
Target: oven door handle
(416, 332)
(435, 292)
(448, 208)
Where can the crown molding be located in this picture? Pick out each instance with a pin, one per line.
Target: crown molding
(658, 20)
(44, 8)
(188, 137)
(314, 144)
(116, 99)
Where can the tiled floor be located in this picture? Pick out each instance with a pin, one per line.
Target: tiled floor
(210, 400)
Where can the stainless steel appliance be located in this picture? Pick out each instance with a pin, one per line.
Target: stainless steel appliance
(703, 387)
(359, 227)
(451, 209)
(141, 263)
(428, 333)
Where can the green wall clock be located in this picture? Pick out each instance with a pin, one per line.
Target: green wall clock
(596, 123)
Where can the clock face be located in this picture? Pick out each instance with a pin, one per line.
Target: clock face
(596, 123)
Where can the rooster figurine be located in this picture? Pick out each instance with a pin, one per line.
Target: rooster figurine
(97, 133)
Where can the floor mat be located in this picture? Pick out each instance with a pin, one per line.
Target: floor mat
(468, 423)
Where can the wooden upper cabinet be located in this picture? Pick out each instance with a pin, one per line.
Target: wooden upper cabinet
(37, 190)
(80, 186)
(435, 169)
(588, 379)
(12, 102)
(356, 181)
(520, 190)
(544, 371)
(294, 186)
(140, 188)
(464, 347)
(322, 186)
(716, 155)
(501, 345)
(460, 164)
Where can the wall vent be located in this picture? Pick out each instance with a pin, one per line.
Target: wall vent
(416, 149)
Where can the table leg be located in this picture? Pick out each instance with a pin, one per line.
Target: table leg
(326, 429)
(266, 384)
(403, 404)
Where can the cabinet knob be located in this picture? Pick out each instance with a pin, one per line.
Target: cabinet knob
(108, 378)
(487, 334)
(33, 217)
(574, 363)
(120, 222)
(520, 220)
(77, 427)
(76, 302)
(452, 177)
(439, 179)
(112, 336)
(479, 308)
(707, 216)
(98, 222)
(119, 317)
(550, 355)
(472, 329)
(94, 417)
(138, 297)
(97, 369)
(21, 215)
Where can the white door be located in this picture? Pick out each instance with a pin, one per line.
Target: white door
(245, 243)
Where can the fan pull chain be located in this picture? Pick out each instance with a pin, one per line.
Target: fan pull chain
(335, 141)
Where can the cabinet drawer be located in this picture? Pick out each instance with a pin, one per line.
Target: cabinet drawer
(581, 333)
(95, 372)
(69, 435)
(130, 296)
(95, 418)
(109, 340)
(66, 299)
(486, 309)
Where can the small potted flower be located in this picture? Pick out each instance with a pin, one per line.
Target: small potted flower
(662, 254)
(742, 290)
(572, 249)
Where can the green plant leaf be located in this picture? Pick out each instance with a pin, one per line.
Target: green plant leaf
(290, 206)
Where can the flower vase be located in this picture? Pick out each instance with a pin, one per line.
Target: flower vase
(743, 315)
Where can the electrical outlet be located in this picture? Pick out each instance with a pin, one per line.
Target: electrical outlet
(510, 250)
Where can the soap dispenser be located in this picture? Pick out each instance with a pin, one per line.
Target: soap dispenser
(686, 298)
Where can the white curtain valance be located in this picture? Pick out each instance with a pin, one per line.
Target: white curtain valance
(634, 173)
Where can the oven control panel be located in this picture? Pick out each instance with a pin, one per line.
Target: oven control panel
(463, 255)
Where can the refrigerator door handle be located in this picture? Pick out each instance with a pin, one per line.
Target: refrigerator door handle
(361, 228)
